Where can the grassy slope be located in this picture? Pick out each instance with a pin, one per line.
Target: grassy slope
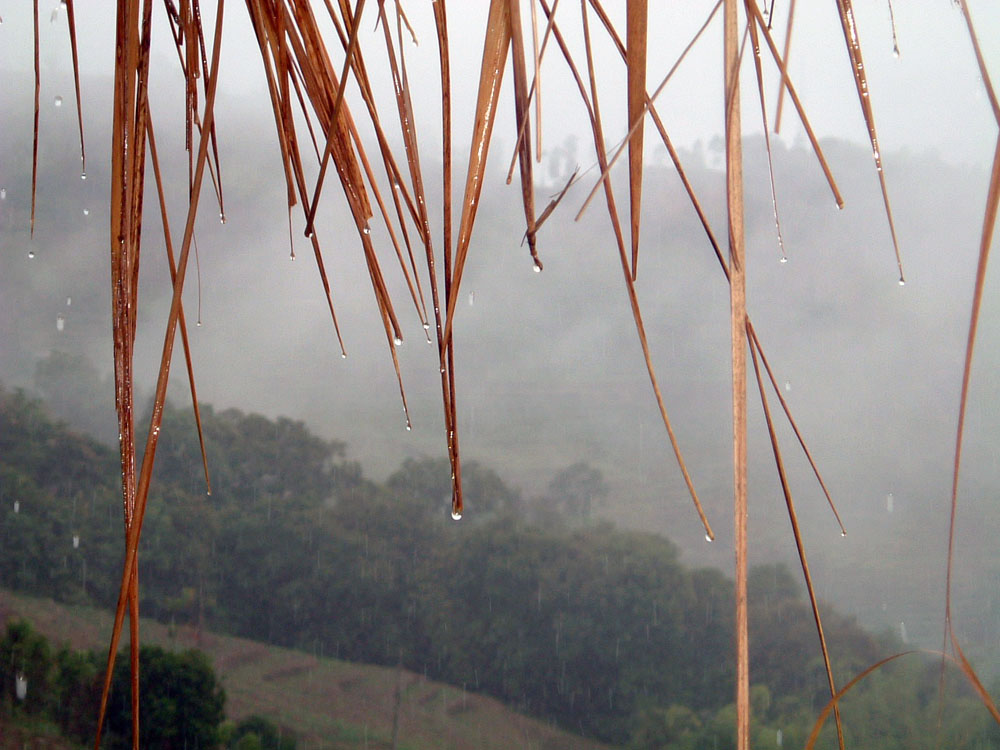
(328, 703)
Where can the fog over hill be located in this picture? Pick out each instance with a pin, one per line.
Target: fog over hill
(548, 365)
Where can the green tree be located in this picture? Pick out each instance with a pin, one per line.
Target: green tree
(180, 701)
(25, 658)
(261, 734)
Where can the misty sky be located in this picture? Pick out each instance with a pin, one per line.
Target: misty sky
(549, 371)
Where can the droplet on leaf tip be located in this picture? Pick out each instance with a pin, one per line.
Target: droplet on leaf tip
(709, 538)
(398, 341)
(902, 281)
(456, 515)
(83, 175)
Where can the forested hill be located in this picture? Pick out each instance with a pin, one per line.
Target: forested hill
(601, 630)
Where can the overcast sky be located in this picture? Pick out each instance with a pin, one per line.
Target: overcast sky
(930, 97)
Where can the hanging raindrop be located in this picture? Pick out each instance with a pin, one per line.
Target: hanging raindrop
(57, 101)
(60, 322)
(709, 538)
(456, 515)
(398, 341)
(86, 212)
(83, 175)
(31, 254)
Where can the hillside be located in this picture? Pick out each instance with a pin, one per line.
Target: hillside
(327, 703)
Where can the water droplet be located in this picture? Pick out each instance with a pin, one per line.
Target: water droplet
(86, 212)
(222, 218)
(366, 229)
(3, 194)
(69, 301)
(784, 258)
(343, 355)
(537, 268)
(57, 101)
(709, 537)
(902, 281)
(83, 175)
(409, 427)
(398, 341)
(843, 533)
(198, 324)
(889, 502)
(895, 51)
(788, 385)
(31, 254)
(76, 541)
(60, 322)
(309, 234)
(456, 515)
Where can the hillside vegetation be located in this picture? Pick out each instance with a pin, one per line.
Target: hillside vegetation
(601, 631)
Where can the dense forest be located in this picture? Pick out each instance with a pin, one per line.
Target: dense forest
(530, 599)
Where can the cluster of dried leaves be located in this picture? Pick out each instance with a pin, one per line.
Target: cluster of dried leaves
(307, 88)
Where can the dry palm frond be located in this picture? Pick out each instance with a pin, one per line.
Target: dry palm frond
(304, 83)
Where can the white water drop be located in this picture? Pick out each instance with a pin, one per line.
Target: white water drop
(398, 341)
(366, 229)
(343, 355)
(222, 218)
(456, 515)
(86, 212)
(709, 538)
(3, 194)
(57, 101)
(784, 258)
(843, 534)
(889, 503)
(60, 322)
(83, 175)
(31, 254)
(427, 326)
(902, 281)
(537, 268)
